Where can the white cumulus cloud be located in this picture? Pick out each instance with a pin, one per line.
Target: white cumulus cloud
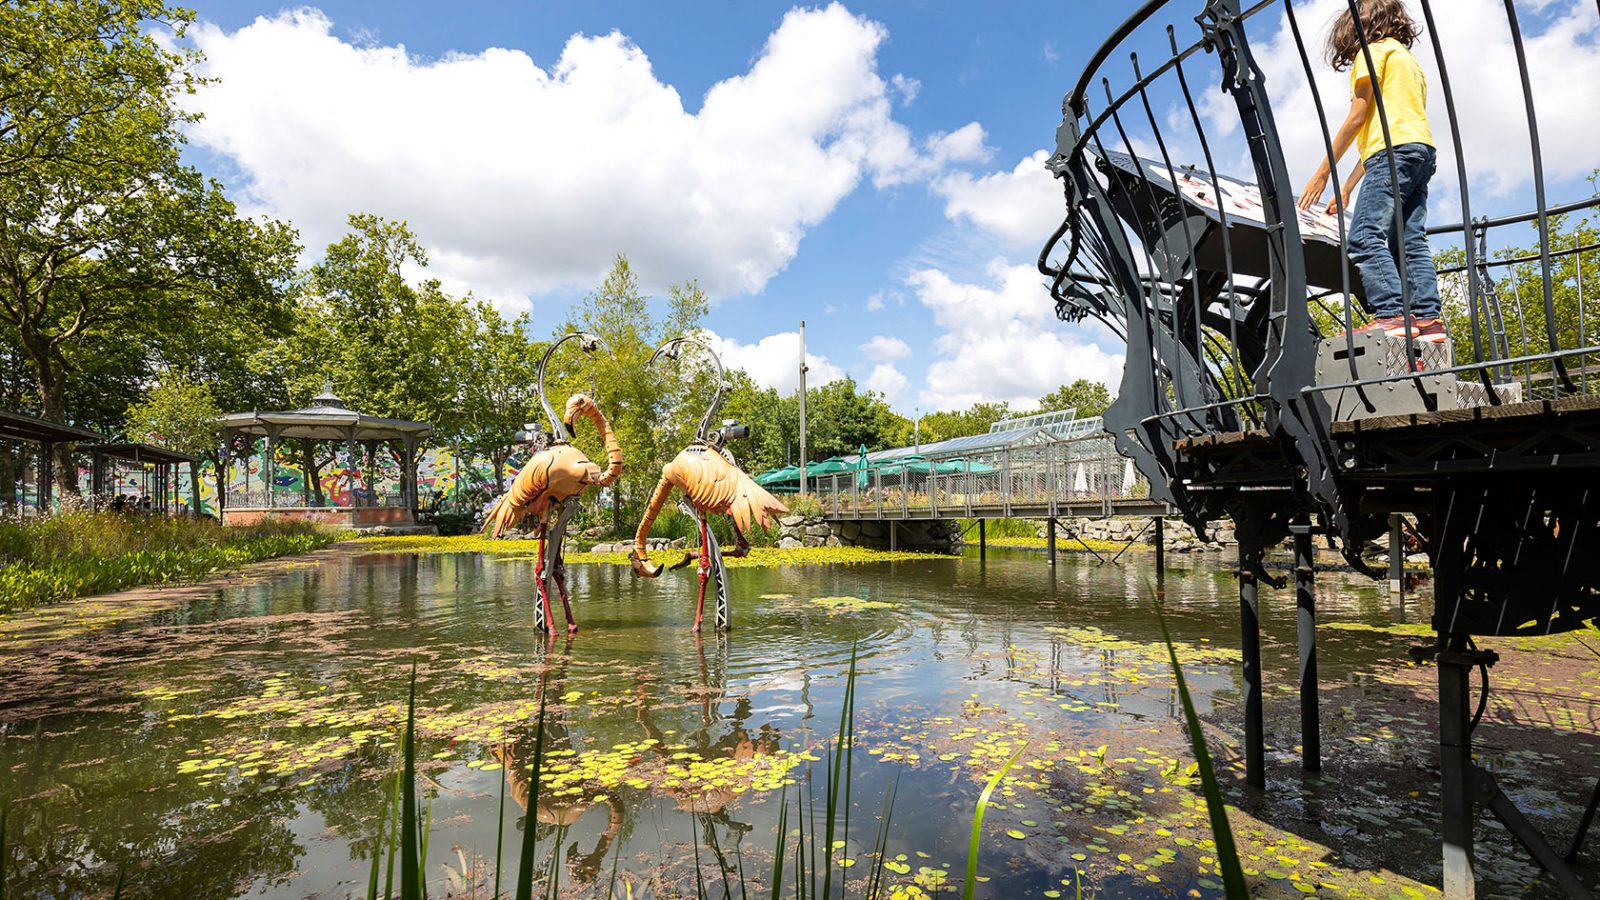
(774, 361)
(885, 347)
(888, 381)
(1002, 341)
(522, 177)
(1021, 206)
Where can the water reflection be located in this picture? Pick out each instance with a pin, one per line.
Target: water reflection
(662, 748)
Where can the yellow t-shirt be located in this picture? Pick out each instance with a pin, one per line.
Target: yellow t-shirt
(1404, 87)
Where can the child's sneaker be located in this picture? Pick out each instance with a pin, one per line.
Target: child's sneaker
(1393, 326)
(1429, 330)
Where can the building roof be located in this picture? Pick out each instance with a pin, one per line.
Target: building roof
(20, 427)
(138, 453)
(972, 444)
(328, 419)
(1062, 423)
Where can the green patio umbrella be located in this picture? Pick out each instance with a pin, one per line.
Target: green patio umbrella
(778, 476)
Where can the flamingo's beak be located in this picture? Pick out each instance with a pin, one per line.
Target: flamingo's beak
(569, 425)
(643, 566)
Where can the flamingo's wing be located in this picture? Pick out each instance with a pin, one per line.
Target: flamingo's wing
(714, 483)
(530, 486)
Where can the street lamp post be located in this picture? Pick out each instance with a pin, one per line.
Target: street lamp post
(803, 368)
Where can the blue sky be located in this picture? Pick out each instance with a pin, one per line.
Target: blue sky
(869, 168)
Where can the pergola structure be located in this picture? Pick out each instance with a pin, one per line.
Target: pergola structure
(326, 420)
(45, 433)
(161, 484)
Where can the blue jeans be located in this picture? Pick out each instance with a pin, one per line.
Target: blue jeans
(1373, 248)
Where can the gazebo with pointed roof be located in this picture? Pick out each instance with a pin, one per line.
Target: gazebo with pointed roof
(326, 420)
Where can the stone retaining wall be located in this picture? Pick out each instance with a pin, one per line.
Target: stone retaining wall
(814, 531)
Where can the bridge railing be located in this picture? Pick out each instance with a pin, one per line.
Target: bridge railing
(1034, 479)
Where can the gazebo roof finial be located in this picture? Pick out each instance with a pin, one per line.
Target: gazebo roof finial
(328, 397)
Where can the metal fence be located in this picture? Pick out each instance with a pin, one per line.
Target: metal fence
(1069, 477)
(360, 498)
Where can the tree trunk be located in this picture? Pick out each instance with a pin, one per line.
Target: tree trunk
(313, 472)
(498, 460)
(53, 403)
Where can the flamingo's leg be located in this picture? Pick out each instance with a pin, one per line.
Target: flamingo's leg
(741, 545)
(705, 572)
(714, 561)
(558, 566)
(541, 606)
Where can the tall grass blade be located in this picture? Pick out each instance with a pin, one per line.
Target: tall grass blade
(1233, 884)
(880, 846)
(3, 812)
(971, 881)
(410, 877)
(377, 849)
(427, 829)
(783, 834)
(500, 836)
(394, 828)
(122, 871)
(530, 829)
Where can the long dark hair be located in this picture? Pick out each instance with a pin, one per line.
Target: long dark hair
(1380, 19)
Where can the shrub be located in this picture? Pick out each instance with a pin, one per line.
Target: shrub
(75, 553)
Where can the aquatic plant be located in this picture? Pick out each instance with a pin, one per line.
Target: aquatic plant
(1233, 883)
(759, 558)
(971, 881)
(78, 553)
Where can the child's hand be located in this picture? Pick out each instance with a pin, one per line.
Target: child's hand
(1333, 205)
(1314, 189)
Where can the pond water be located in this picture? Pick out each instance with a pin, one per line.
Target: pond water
(243, 743)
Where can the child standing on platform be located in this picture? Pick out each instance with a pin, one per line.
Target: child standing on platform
(1394, 168)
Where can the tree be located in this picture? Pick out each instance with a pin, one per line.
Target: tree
(180, 414)
(1089, 398)
(104, 234)
(498, 394)
(652, 408)
(943, 426)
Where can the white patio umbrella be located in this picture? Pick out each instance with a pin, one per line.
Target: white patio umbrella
(1081, 482)
(1128, 478)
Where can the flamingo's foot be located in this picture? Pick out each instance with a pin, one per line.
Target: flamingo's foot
(572, 628)
(696, 628)
(687, 558)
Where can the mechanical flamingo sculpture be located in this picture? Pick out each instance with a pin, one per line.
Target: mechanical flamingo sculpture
(549, 484)
(712, 482)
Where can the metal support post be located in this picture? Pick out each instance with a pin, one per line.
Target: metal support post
(46, 476)
(269, 467)
(1250, 652)
(1397, 556)
(194, 489)
(1050, 530)
(1584, 823)
(1161, 546)
(892, 529)
(983, 541)
(1455, 771)
(1305, 576)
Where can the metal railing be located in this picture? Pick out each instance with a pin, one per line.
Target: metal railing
(1231, 299)
(1082, 476)
(360, 498)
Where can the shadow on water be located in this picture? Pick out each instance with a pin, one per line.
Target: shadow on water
(240, 745)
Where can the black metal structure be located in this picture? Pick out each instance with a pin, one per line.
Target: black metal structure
(1249, 393)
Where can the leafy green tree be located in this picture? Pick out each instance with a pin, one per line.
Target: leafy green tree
(180, 414)
(1089, 398)
(943, 426)
(106, 238)
(498, 393)
(653, 409)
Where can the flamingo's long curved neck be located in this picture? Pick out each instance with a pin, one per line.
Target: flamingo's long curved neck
(641, 537)
(613, 447)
